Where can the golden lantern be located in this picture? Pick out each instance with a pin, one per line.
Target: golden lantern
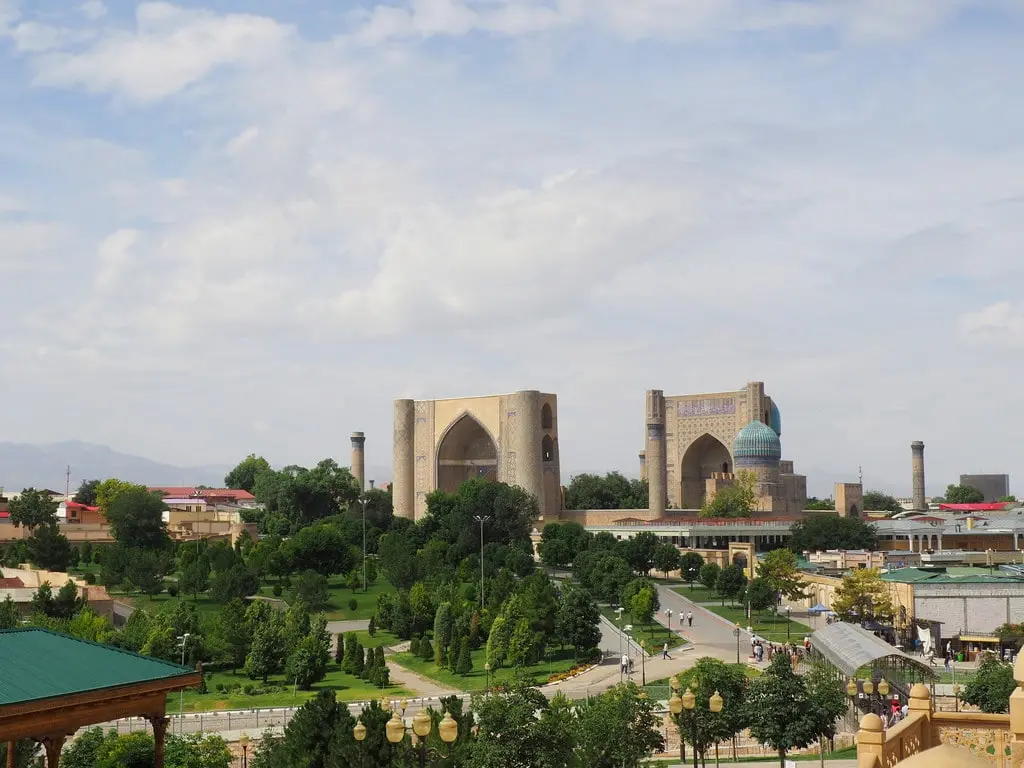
(674, 683)
(675, 704)
(868, 687)
(448, 728)
(403, 705)
(421, 724)
(689, 700)
(359, 731)
(883, 687)
(395, 728)
(851, 687)
(715, 703)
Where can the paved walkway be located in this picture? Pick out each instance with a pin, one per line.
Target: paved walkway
(421, 686)
(340, 627)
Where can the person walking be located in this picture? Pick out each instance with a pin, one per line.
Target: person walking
(689, 618)
(625, 664)
(664, 652)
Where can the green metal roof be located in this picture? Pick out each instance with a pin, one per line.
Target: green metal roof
(908, 575)
(39, 664)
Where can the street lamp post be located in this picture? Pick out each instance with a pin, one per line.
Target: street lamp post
(643, 661)
(487, 672)
(619, 611)
(481, 519)
(789, 614)
(181, 697)
(421, 725)
(668, 614)
(956, 697)
(688, 701)
(243, 742)
(736, 631)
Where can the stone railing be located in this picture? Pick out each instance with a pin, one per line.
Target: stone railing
(997, 740)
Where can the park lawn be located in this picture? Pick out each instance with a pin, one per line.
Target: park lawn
(381, 637)
(763, 624)
(337, 604)
(699, 593)
(346, 688)
(655, 636)
(205, 605)
(558, 661)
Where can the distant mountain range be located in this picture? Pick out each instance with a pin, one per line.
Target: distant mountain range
(43, 466)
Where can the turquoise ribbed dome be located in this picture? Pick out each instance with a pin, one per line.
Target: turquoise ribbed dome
(776, 419)
(757, 442)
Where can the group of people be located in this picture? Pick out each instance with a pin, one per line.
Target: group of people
(894, 714)
(759, 650)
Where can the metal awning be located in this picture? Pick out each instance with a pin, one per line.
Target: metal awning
(849, 647)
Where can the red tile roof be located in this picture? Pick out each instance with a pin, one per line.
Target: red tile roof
(12, 583)
(76, 505)
(184, 492)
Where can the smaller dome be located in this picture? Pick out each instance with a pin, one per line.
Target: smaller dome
(775, 421)
(757, 441)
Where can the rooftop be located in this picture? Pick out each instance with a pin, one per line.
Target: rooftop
(39, 664)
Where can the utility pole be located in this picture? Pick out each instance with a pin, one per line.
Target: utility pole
(362, 501)
(67, 483)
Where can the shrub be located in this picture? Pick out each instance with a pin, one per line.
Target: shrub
(352, 604)
(414, 646)
(372, 629)
(278, 590)
(426, 650)
(172, 590)
(90, 578)
(248, 688)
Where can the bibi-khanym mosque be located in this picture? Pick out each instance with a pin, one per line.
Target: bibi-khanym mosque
(694, 446)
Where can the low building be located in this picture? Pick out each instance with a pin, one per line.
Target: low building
(73, 513)
(21, 584)
(212, 496)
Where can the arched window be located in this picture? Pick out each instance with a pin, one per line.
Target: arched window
(547, 421)
(547, 449)
(725, 466)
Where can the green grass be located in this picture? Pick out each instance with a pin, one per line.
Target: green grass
(661, 690)
(205, 605)
(849, 753)
(654, 636)
(699, 594)
(558, 661)
(762, 623)
(380, 637)
(337, 604)
(346, 687)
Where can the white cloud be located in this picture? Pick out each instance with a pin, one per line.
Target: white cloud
(114, 255)
(93, 9)
(999, 324)
(169, 49)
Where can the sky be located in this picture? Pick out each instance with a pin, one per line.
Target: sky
(249, 225)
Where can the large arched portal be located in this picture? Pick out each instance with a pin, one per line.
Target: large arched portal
(705, 455)
(466, 451)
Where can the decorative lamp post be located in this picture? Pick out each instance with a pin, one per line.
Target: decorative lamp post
(360, 733)
(487, 672)
(668, 615)
(619, 611)
(448, 729)
(789, 614)
(956, 697)
(736, 631)
(643, 662)
(243, 742)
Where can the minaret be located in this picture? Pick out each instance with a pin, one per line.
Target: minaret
(917, 469)
(359, 459)
(403, 478)
(657, 480)
(643, 465)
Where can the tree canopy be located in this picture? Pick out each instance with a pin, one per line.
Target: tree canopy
(863, 595)
(244, 475)
(817, 533)
(877, 501)
(963, 494)
(990, 689)
(612, 491)
(33, 508)
(738, 499)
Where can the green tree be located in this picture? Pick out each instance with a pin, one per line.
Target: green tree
(86, 493)
(690, 564)
(709, 573)
(817, 533)
(426, 649)
(268, 650)
(136, 519)
(313, 589)
(778, 569)
(643, 606)
(760, 595)
(110, 489)
(354, 580)
(442, 631)
(236, 582)
(612, 491)
(666, 558)
(617, 728)
(963, 494)
(319, 735)
(814, 503)
(68, 602)
(464, 664)
(521, 729)
(27, 754)
(307, 663)
(780, 709)
(640, 551)
(738, 499)
(828, 702)
(243, 476)
(195, 578)
(1007, 499)
(991, 687)
(33, 508)
(234, 633)
(707, 677)
(322, 548)
(498, 641)
(398, 559)
(876, 501)
(730, 583)
(48, 548)
(861, 595)
(9, 615)
(524, 645)
(579, 620)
